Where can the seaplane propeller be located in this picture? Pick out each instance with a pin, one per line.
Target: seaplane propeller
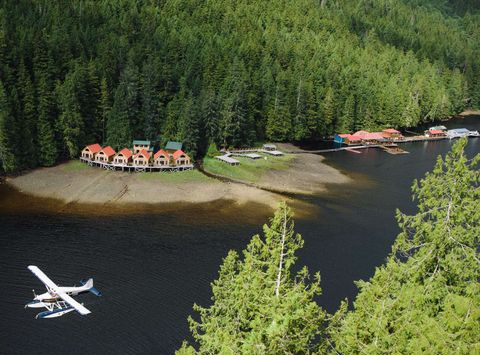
(58, 300)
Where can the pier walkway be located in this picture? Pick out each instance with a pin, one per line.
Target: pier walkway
(136, 168)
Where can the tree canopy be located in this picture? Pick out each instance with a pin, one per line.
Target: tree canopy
(425, 299)
(228, 72)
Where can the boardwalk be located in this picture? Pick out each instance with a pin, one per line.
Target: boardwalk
(136, 168)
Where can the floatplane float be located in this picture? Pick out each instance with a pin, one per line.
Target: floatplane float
(58, 300)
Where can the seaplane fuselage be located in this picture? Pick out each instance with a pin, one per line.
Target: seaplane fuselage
(52, 297)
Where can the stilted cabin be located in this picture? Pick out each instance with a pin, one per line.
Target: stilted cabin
(269, 147)
(106, 155)
(123, 157)
(142, 158)
(172, 147)
(161, 158)
(180, 158)
(91, 150)
(392, 134)
(139, 145)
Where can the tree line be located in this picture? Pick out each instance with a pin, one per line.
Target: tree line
(225, 72)
(424, 299)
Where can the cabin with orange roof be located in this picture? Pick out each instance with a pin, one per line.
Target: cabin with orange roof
(161, 158)
(142, 158)
(180, 158)
(392, 134)
(90, 151)
(106, 155)
(123, 157)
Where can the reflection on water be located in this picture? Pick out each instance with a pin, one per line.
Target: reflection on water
(154, 264)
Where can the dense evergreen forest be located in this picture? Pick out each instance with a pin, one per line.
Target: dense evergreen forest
(425, 299)
(227, 72)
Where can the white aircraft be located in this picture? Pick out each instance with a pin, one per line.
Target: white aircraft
(57, 300)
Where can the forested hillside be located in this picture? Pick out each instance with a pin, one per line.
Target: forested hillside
(224, 71)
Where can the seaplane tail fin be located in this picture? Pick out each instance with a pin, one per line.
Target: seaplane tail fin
(88, 284)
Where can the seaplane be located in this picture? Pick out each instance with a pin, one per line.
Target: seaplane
(58, 300)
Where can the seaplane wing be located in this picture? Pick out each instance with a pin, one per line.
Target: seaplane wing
(42, 277)
(54, 288)
(78, 307)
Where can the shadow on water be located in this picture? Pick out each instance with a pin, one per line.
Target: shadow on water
(152, 265)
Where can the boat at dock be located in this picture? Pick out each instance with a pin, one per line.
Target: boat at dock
(461, 132)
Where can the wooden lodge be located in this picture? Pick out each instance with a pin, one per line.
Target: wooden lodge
(161, 158)
(106, 155)
(392, 134)
(139, 145)
(142, 158)
(123, 157)
(90, 151)
(435, 133)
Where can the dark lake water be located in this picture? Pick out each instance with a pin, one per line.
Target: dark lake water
(153, 265)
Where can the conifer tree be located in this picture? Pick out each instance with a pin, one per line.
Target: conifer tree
(259, 304)
(45, 131)
(7, 134)
(123, 119)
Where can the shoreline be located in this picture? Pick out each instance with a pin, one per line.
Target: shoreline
(73, 184)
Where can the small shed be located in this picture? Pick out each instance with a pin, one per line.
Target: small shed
(340, 138)
(438, 128)
(123, 157)
(352, 140)
(269, 146)
(161, 158)
(90, 151)
(142, 158)
(106, 155)
(172, 146)
(139, 145)
(227, 159)
(180, 158)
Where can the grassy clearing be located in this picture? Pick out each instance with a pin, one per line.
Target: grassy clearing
(74, 165)
(249, 170)
(175, 177)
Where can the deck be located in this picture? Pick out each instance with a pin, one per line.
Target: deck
(226, 159)
(136, 168)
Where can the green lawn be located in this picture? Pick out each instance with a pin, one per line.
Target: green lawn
(175, 177)
(249, 170)
(74, 165)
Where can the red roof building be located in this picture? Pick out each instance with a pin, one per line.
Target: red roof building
(142, 158)
(435, 133)
(105, 155)
(123, 157)
(161, 158)
(91, 150)
(181, 158)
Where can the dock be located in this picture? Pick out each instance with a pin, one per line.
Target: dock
(136, 168)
